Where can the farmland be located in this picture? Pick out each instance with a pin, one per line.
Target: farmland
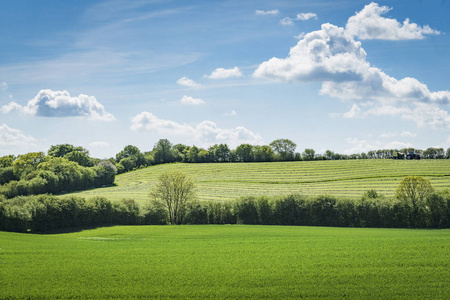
(225, 181)
(226, 262)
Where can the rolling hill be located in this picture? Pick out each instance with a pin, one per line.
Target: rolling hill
(224, 181)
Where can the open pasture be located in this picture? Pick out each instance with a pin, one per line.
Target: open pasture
(227, 262)
(225, 181)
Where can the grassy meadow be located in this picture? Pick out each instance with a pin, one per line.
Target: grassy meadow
(225, 181)
(226, 262)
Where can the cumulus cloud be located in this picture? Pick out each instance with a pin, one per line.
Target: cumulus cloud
(188, 100)
(332, 56)
(185, 81)
(221, 73)
(326, 54)
(206, 132)
(267, 12)
(306, 16)
(369, 24)
(14, 137)
(48, 103)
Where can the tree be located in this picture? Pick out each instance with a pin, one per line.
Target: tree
(162, 152)
(284, 148)
(128, 151)
(413, 191)
(27, 163)
(63, 149)
(244, 152)
(174, 191)
(309, 154)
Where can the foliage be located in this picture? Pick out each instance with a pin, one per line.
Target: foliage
(284, 148)
(174, 191)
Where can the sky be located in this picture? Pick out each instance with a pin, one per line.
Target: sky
(347, 76)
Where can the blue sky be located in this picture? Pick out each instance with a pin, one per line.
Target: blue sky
(349, 76)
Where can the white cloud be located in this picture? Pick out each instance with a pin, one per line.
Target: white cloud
(14, 137)
(232, 113)
(286, 21)
(369, 24)
(267, 12)
(99, 144)
(205, 132)
(4, 86)
(48, 103)
(221, 73)
(185, 81)
(326, 54)
(359, 146)
(188, 100)
(306, 16)
(332, 56)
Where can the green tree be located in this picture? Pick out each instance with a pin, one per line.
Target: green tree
(163, 152)
(27, 163)
(6, 161)
(192, 154)
(309, 154)
(413, 191)
(128, 151)
(63, 149)
(284, 148)
(244, 153)
(174, 191)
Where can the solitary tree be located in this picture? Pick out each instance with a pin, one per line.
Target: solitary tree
(174, 191)
(414, 190)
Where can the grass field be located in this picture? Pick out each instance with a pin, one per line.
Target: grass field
(226, 262)
(226, 181)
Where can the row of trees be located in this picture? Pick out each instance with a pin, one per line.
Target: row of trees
(65, 168)
(424, 208)
(279, 150)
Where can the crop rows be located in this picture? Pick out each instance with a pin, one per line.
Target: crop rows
(232, 180)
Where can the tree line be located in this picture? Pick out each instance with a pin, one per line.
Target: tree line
(40, 213)
(164, 151)
(68, 168)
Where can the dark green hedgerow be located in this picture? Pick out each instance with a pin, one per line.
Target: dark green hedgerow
(47, 212)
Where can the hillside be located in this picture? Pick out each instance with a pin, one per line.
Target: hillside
(348, 178)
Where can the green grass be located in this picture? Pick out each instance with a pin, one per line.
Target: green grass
(226, 262)
(227, 181)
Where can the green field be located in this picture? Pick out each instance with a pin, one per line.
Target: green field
(224, 181)
(226, 262)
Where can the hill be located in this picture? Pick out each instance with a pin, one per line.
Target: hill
(225, 181)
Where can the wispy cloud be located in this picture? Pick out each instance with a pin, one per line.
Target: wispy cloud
(11, 137)
(232, 113)
(306, 16)
(267, 12)
(221, 73)
(188, 100)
